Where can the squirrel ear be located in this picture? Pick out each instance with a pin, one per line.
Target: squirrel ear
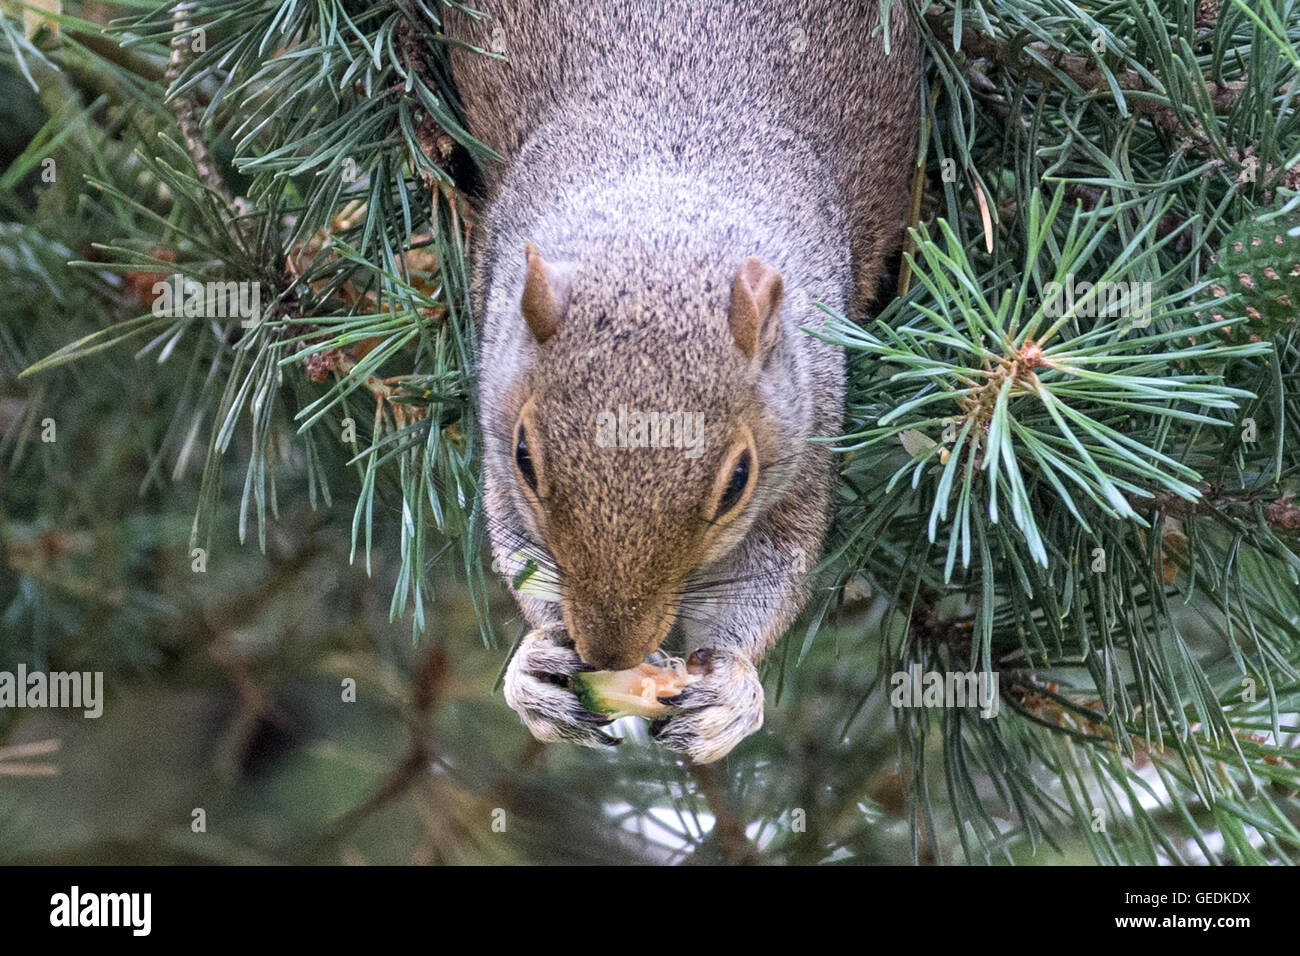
(755, 307)
(546, 294)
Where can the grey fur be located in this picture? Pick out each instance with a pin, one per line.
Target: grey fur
(649, 148)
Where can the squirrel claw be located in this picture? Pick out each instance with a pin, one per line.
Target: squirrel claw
(714, 713)
(536, 688)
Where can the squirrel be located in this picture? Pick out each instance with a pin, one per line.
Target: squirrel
(679, 184)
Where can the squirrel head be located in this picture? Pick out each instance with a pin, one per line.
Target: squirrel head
(643, 434)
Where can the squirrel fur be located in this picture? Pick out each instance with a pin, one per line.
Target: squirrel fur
(678, 184)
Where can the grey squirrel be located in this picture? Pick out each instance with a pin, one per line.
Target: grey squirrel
(679, 183)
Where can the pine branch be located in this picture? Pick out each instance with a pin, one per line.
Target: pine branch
(185, 111)
(1279, 511)
(1052, 66)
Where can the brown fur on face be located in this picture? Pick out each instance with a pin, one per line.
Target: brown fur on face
(626, 526)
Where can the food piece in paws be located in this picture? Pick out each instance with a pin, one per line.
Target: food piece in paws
(634, 692)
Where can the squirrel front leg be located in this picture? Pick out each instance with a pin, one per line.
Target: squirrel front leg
(732, 616)
(536, 683)
(536, 688)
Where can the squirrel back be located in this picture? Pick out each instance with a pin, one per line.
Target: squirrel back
(774, 102)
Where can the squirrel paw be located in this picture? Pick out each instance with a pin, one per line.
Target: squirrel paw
(536, 688)
(716, 712)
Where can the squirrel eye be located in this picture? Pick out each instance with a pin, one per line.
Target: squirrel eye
(736, 485)
(524, 461)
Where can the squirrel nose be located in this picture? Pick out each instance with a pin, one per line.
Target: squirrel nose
(608, 657)
(610, 638)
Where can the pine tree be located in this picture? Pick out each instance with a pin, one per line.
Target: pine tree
(1070, 457)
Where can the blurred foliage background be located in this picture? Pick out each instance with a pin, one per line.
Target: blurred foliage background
(316, 150)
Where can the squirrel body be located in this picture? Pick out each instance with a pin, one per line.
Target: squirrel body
(679, 184)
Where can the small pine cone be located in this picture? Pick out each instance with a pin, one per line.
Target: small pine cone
(1207, 12)
(321, 364)
(1283, 513)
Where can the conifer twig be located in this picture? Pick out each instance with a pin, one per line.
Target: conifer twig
(1078, 69)
(184, 109)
